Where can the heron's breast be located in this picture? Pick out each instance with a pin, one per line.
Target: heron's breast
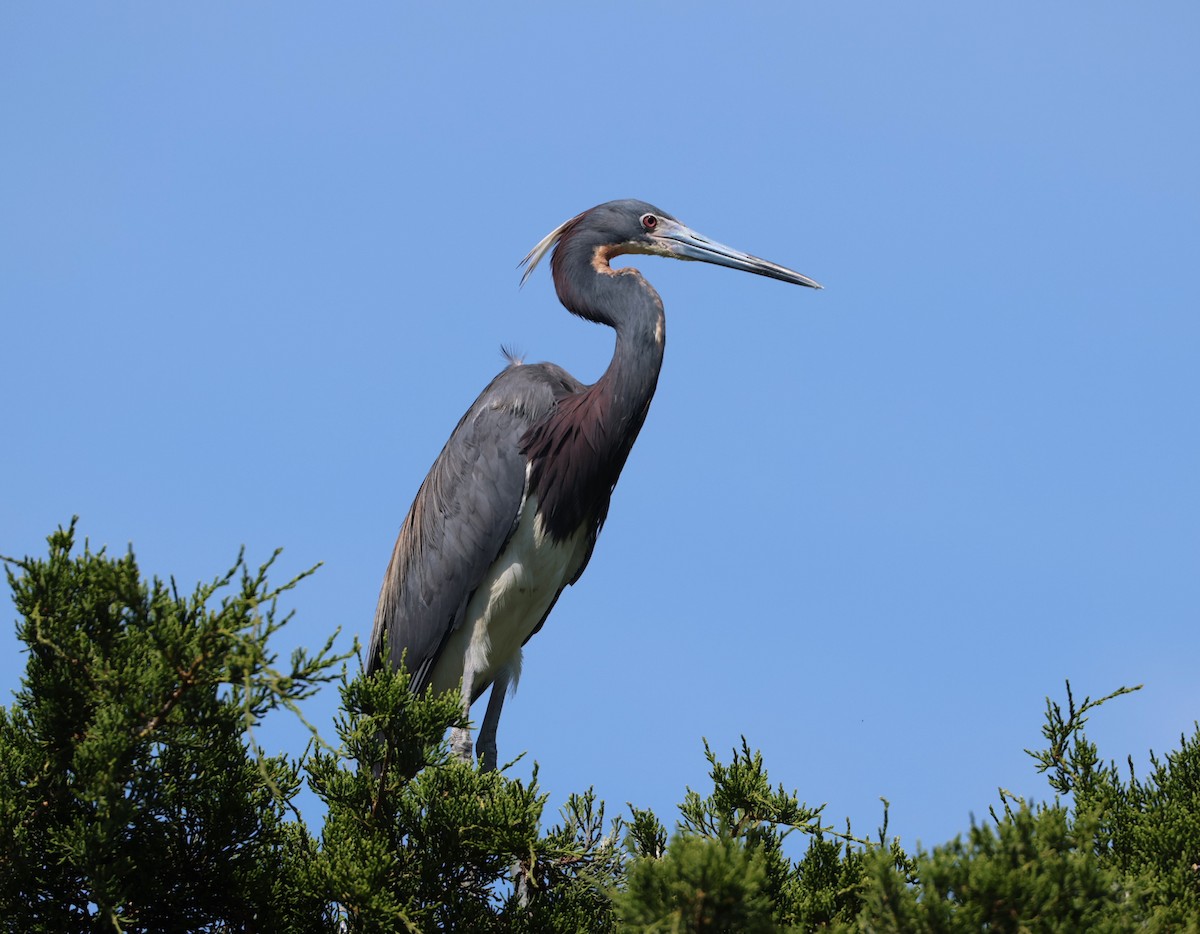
(516, 593)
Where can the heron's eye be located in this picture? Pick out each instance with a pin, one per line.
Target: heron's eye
(649, 221)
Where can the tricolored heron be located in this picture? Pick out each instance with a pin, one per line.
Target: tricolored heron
(510, 511)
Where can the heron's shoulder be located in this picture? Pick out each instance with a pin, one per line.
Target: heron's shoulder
(529, 389)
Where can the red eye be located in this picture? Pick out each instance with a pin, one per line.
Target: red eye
(649, 221)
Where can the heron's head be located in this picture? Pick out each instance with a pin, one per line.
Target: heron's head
(630, 226)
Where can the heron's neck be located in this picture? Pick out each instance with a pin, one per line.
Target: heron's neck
(626, 302)
(577, 453)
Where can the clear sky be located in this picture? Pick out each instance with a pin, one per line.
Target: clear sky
(256, 260)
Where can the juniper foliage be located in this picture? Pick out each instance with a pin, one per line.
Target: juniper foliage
(130, 796)
(416, 840)
(133, 797)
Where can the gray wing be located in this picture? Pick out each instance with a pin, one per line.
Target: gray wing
(462, 517)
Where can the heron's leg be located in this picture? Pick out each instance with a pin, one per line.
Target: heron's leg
(486, 746)
(460, 736)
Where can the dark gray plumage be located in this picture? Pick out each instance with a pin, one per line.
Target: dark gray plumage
(464, 513)
(508, 515)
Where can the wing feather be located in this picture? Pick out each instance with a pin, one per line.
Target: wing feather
(461, 519)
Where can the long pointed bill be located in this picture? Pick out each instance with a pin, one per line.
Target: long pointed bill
(684, 243)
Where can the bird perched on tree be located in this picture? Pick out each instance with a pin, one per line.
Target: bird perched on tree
(508, 515)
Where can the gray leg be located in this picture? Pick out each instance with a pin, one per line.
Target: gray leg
(486, 746)
(460, 737)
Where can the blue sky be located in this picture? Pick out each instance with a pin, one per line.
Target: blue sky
(257, 260)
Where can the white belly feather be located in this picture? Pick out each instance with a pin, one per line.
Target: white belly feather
(512, 599)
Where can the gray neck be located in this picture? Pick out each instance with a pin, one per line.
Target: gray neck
(577, 454)
(626, 302)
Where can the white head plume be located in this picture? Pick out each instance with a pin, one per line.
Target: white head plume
(534, 256)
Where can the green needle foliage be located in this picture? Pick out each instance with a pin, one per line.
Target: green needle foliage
(415, 840)
(133, 797)
(129, 796)
(726, 869)
(699, 884)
